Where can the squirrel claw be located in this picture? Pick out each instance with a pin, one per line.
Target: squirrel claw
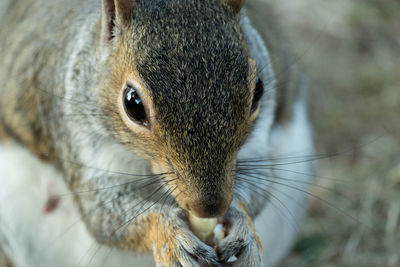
(242, 243)
(183, 248)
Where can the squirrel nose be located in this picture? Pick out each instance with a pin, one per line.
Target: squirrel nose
(209, 206)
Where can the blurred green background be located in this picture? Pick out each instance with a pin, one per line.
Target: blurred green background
(351, 52)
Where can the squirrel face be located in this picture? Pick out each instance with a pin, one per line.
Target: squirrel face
(185, 95)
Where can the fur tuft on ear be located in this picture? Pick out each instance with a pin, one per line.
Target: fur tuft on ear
(124, 10)
(236, 5)
(114, 12)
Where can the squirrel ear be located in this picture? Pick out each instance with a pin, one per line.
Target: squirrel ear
(236, 5)
(114, 12)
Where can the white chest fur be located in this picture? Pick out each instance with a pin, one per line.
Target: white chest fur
(34, 238)
(278, 224)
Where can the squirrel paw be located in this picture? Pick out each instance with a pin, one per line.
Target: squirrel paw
(180, 247)
(242, 246)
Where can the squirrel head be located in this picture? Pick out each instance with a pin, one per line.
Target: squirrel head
(181, 91)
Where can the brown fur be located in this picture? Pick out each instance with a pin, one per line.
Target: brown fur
(236, 5)
(156, 229)
(4, 260)
(243, 206)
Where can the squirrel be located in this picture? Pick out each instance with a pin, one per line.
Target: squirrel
(147, 110)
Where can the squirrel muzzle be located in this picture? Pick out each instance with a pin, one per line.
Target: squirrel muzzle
(209, 205)
(206, 195)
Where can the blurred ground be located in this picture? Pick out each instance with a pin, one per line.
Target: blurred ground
(351, 52)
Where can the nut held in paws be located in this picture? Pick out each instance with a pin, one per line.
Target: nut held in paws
(202, 228)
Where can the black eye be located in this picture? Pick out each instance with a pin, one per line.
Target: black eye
(134, 107)
(258, 92)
